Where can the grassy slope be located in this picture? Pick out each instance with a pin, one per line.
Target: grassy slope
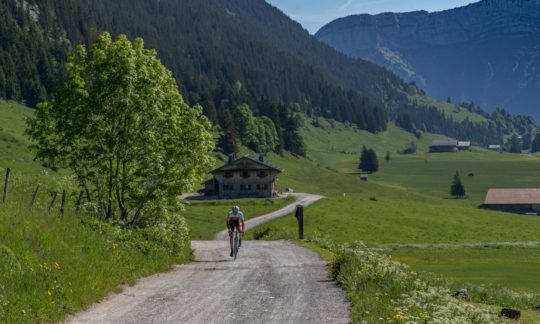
(458, 113)
(14, 151)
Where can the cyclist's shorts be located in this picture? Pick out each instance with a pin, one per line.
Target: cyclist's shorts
(234, 223)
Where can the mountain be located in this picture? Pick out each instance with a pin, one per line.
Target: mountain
(486, 52)
(226, 53)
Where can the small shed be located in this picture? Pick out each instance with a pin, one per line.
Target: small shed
(363, 176)
(443, 146)
(513, 200)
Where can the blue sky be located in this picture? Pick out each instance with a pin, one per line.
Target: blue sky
(313, 14)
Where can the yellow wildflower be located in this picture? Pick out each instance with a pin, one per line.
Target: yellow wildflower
(398, 317)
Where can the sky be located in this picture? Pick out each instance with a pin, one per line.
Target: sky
(313, 14)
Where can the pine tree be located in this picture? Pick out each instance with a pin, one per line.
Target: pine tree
(373, 161)
(363, 158)
(388, 157)
(456, 189)
(368, 160)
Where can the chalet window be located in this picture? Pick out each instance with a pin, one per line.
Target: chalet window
(245, 187)
(266, 186)
(228, 187)
(262, 174)
(245, 174)
(258, 187)
(228, 174)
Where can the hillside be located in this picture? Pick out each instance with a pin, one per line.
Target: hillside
(216, 50)
(488, 49)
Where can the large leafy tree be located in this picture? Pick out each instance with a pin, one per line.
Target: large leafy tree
(119, 123)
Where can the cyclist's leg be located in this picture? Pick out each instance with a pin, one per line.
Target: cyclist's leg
(231, 228)
(241, 230)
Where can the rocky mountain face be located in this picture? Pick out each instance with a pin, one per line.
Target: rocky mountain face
(486, 52)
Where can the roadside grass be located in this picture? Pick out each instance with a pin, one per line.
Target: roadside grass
(51, 266)
(207, 218)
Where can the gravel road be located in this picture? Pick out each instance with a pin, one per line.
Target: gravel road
(270, 282)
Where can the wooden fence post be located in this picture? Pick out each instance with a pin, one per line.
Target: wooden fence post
(299, 214)
(34, 196)
(79, 201)
(63, 203)
(53, 201)
(6, 185)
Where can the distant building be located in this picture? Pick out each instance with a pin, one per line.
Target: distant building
(496, 148)
(443, 146)
(242, 178)
(464, 146)
(363, 176)
(521, 201)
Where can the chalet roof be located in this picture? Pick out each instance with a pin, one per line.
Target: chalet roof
(444, 143)
(513, 196)
(231, 166)
(464, 143)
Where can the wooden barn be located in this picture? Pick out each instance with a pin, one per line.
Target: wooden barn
(242, 178)
(514, 200)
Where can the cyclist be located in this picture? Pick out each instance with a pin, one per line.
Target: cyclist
(235, 218)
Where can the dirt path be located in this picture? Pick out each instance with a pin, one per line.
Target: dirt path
(270, 282)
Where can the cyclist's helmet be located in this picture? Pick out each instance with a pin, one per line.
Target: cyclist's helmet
(235, 209)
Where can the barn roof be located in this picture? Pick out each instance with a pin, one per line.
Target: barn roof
(513, 196)
(230, 166)
(444, 143)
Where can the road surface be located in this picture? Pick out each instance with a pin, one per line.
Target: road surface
(270, 282)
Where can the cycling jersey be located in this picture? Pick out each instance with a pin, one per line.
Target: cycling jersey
(234, 219)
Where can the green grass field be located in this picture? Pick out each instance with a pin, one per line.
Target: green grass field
(507, 266)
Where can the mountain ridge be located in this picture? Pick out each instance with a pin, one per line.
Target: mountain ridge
(490, 46)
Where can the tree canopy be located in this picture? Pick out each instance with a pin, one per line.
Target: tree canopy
(119, 123)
